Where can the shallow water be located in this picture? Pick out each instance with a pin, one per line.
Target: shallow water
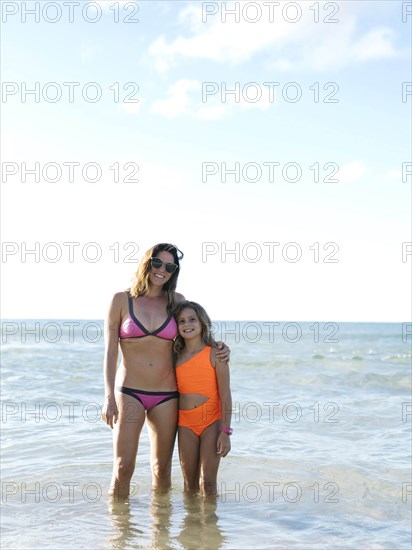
(321, 450)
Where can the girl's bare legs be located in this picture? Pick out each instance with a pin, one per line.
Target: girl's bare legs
(162, 421)
(189, 445)
(209, 459)
(126, 433)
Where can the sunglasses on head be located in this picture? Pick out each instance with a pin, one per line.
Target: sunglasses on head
(157, 263)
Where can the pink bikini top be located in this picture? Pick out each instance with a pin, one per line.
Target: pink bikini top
(132, 328)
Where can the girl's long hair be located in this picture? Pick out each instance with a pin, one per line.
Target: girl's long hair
(140, 280)
(206, 323)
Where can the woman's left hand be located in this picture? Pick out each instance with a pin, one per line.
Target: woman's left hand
(223, 353)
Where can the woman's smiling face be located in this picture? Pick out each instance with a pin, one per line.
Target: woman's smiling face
(159, 276)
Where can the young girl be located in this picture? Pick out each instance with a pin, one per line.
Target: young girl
(205, 401)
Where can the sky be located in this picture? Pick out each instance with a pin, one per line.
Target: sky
(270, 141)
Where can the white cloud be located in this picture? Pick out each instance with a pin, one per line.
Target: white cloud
(181, 102)
(376, 44)
(393, 175)
(230, 42)
(178, 102)
(300, 45)
(353, 171)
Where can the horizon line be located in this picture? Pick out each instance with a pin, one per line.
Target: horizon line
(23, 319)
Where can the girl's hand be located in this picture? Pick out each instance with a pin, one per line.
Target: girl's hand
(110, 413)
(223, 444)
(223, 353)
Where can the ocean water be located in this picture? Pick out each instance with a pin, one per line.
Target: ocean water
(321, 450)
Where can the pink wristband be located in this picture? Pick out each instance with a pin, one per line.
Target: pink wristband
(228, 431)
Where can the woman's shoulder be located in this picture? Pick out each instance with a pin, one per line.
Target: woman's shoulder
(121, 295)
(119, 298)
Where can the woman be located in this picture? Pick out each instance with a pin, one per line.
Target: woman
(141, 321)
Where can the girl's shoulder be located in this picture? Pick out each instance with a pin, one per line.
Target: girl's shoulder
(184, 358)
(213, 359)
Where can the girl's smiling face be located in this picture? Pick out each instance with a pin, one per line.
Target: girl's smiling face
(188, 324)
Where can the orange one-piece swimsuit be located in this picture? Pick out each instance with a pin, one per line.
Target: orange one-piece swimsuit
(197, 375)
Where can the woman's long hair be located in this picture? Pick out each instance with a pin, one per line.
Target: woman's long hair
(206, 323)
(140, 282)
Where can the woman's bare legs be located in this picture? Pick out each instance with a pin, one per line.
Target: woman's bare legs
(126, 433)
(162, 421)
